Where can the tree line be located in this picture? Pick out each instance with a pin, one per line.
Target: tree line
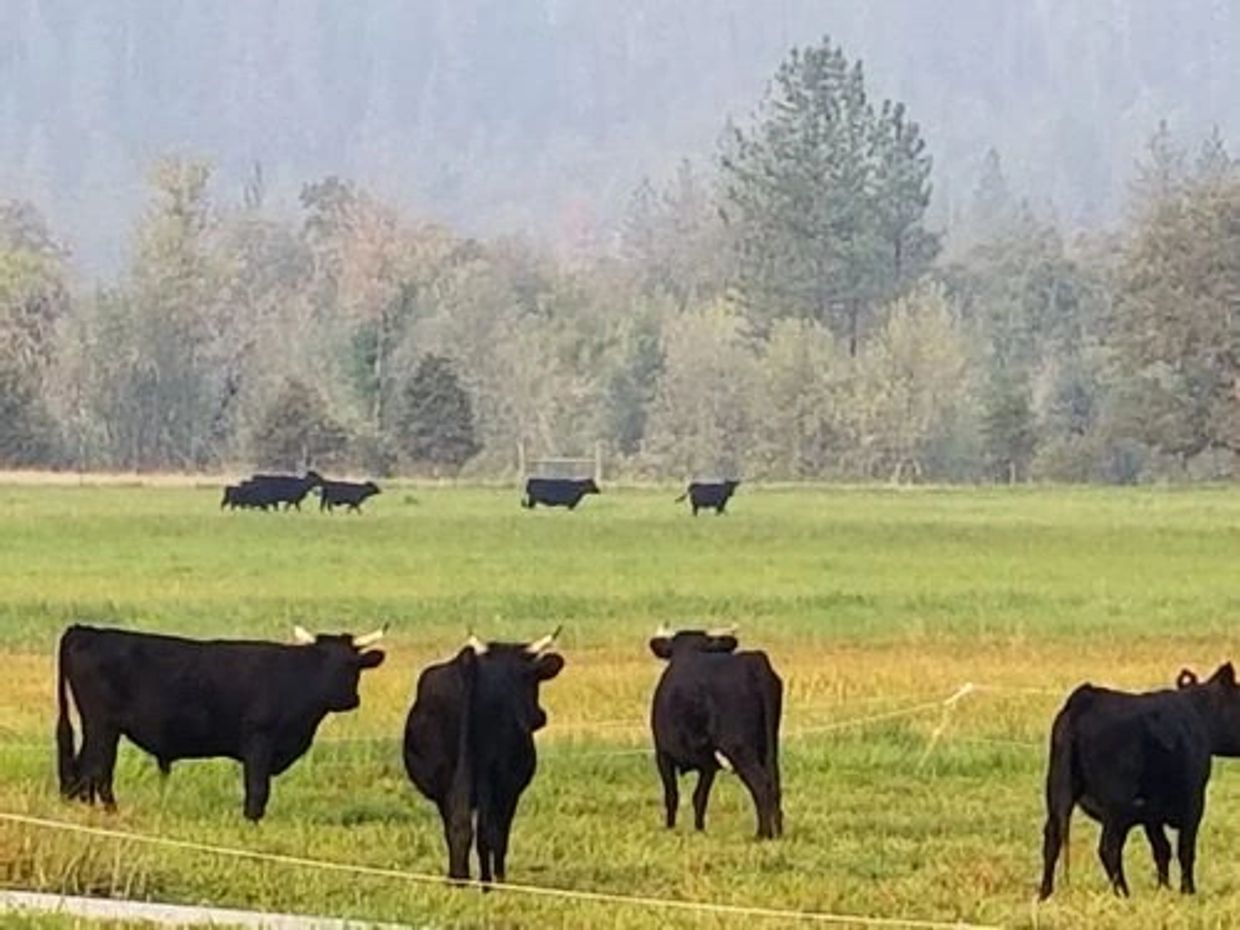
(782, 311)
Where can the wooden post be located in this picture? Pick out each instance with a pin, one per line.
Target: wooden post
(598, 462)
(520, 462)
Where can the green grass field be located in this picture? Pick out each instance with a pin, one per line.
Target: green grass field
(868, 601)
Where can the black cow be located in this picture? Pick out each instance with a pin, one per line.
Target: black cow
(333, 494)
(469, 743)
(715, 707)
(289, 490)
(557, 492)
(257, 702)
(706, 494)
(246, 496)
(1138, 760)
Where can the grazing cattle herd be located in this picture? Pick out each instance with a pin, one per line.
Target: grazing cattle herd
(1127, 760)
(268, 492)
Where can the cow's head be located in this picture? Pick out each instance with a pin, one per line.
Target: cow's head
(313, 478)
(519, 669)
(1221, 703)
(342, 659)
(588, 486)
(371, 488)
(667, 645)
(731, 486)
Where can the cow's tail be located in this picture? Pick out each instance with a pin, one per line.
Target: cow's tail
(1060, 799)
(682, 497)
(460, 792)
(772, 710)
(66, 763)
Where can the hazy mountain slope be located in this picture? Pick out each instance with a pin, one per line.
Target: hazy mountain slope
(542, 114)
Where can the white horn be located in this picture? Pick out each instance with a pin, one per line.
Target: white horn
(723, 631)
(301, 637)
(477, 645)
(365, 642)
(542, 645)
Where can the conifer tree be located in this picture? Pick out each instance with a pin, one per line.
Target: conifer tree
(826, 197)
(436, 423)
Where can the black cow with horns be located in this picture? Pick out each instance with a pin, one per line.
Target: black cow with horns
(717, 708)
(257, 702)
(469, 743)
(1138, 760)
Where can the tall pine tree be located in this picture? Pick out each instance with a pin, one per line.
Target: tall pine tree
(826, 197)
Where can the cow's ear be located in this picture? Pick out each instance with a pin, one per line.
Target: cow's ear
(1225, 675)
(661, 646)
(548, 666)
(721, 644)
(1185, 678)
(372, 659)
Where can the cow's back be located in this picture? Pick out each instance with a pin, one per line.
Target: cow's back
(707, 700)
(433, 729)
(179, 698)
(1135, 754)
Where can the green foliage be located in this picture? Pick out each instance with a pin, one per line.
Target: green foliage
(28, 436)
(1008, 426)
(298, 431)
(436, 424)
(1174, 326)
(704, 414)
(826, 197)
(913, 382)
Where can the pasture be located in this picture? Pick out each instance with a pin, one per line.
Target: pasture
(870, 602)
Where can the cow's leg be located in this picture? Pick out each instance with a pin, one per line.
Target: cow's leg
(1052, 840)
(486, 836)
(1111, 852)
(1186, 850)
(1161, 849)
(505, 810)
(458, 833)
(257, 768)
(97, 764)
(701, 795)
(760, 788)
(671, 792)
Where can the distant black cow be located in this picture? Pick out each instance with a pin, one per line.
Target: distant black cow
(557, 492)
(715, 707)
(289, 490)
(1138, 760)
(257, 702)
(333, 494)
(246, 496)
(705, 494)
(469, 743)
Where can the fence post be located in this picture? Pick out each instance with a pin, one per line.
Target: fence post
(598, 462)
(520, 462)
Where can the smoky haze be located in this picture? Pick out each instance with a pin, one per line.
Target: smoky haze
(541, 116)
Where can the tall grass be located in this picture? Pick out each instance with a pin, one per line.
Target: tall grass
(867, 600)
